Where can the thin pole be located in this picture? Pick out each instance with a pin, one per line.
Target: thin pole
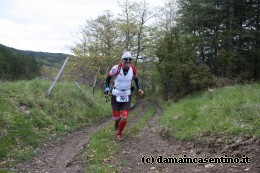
(94, 85)
(57, 77)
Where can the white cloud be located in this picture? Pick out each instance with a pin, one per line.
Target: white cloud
(48, 25)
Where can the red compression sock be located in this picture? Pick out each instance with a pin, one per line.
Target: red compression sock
(121, 127)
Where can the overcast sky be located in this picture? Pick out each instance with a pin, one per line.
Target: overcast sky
(49, 25)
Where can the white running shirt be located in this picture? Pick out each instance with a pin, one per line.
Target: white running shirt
(122, 83)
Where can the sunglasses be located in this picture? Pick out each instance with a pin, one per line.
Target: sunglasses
(127, 59)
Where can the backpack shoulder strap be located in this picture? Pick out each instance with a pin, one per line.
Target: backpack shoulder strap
(134, 70)
(118, 69)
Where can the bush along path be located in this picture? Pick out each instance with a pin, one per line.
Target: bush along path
(146, 149)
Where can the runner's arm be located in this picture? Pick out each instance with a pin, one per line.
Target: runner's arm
(107, 82)
(108, 78)
(137, 82)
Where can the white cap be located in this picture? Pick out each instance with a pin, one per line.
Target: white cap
(126, 54)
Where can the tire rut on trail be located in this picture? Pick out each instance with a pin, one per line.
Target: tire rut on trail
(148, 142)
(140, 104)
(67, 157)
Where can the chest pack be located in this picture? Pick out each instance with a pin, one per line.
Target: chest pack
(120, 66)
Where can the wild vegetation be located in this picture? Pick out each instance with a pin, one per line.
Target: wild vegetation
(226, 112)
(28, 118)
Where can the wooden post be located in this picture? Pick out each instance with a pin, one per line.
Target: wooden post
(57, 77)
(95, 81)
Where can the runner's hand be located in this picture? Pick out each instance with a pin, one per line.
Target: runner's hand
(107, 90)
(140, 92)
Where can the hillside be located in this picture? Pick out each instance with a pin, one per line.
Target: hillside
(43, 58)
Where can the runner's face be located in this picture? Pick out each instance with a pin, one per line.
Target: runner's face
(127, 61)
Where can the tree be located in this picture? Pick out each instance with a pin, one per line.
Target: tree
(133, 24)
(104, 38)
(98, 47)
(180, 72)
(228, 31)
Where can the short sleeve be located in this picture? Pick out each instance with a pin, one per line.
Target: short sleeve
(112, 72)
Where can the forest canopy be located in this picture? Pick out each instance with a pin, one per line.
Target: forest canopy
(184, 46)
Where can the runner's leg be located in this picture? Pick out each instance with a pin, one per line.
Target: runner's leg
(116, 111)
(116, 118)
(123, 121)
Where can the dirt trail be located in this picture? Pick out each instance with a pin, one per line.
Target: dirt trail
(149, 143)
(67, 156)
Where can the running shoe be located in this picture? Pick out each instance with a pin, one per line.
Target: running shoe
(120, 138)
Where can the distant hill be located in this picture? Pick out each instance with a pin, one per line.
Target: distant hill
(42, 58)
(17, 66)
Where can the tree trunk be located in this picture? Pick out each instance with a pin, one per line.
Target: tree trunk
(231, 25)
(256, 70)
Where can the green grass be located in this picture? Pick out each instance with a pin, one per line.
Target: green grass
(102, 151)
(227, 112)
(28, 118)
